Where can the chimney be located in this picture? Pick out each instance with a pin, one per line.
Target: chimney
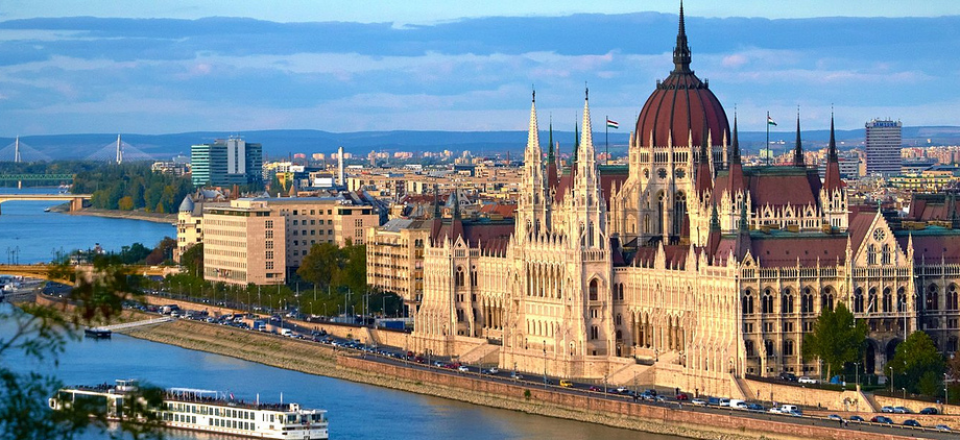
(340, 180)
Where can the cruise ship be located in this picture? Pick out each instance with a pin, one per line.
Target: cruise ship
(207, 411)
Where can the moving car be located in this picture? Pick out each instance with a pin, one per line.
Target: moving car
(901, 410)
(699, 402)
(463, 369)
(755, 407)
(856, 419)
(882, 419)
(566, 383)
(835, 417)
(911, 422)
(806, 380)
(943, 428)
(887, 409)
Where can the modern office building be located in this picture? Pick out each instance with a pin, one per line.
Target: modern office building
(883, 147)
(226, 162)
(244, 244)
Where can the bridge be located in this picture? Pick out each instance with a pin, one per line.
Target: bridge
(124, 325)
(77, 272)
(76, 200)
(30, 177)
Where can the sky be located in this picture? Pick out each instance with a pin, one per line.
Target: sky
(174, 66)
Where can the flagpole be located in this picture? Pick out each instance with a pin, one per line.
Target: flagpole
(767, 152)
(606, 138)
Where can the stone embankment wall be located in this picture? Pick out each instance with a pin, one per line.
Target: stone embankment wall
(916, 405)
(324, 360)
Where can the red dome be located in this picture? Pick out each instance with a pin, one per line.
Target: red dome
(680, 105)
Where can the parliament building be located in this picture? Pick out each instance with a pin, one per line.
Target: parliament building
(683, 269)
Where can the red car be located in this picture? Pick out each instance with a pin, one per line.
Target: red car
(596, 388)
(683, 396)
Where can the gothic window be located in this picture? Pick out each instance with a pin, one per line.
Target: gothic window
(933, 297)
(806, 304)
(660, 210)
(594, 332)
(473, 276)
(620, 292)
(788, 348)
(594, 289)
(662, 173)
(885, 254)
(901, 300)
(826, 299)
(768, 344)
(646, 173)
(459, 276)
(619, 320)
(767, 302)
(748, 303)
(872, 301)
(858, 301)
(749, 347)
(646, 224)
(681, 173)
(619, 335)
(786, 302)
(679, 212)
(871, 255)
(952, 297)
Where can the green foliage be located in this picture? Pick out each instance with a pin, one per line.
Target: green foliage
(837, 338)
(41, 333)
(131, 186)
(917, 365)
(192, 260)
(323, 265)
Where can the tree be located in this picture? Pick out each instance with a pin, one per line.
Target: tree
(192, 259)
(837, 338)
(354, 272)
(917, 364)
(322, 266)
(41, 333)
(125, 203)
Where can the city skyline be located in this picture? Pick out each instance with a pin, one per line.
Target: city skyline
(188, 73)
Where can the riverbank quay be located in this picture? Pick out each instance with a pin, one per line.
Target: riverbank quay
(108, 213)
(325, 360)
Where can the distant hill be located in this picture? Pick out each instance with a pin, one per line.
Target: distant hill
(280, 143)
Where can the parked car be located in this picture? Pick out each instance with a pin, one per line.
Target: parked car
(943, 428)
(887, 409)
(901, 410)
(699, 402)
(835, 417)
(806, 380)
(881, 419)
(755, 407)
(683, 396)
(856, 419)
(911, 422)
(789, 377)
(929, 411)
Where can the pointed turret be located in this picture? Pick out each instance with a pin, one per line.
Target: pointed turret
(552, 179)
(736, 165)
(576, 149)
(704, 173)
(798, 149)
(831, 180)
(437, 209)
(743, 233)
(681, 53)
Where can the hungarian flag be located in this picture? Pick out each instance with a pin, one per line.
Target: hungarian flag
(612, 124)
(770, 121)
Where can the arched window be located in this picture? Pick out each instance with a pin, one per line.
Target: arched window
(887, 300)
(786, 301)
(788, 347)
(767, 302)
(858, 300)
(871, 255)
(872, 304)
(748, 345)
(768, 344)
(594, 289)
(748, 303)
(620, 291)
(806, 304)
(901, 300)
(473, 276)
(933, 297)
(679, 212)
(885, 256)
(459, 276)
(826, 299)
(619, 320)
(952, 303)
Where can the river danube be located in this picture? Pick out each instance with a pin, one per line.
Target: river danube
(29, 235)
(356, 411)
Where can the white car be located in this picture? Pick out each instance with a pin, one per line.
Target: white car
(806, 380)
(493, 370)
(463, 369)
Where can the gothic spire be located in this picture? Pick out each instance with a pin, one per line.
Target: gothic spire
(704, 173)
(550, 156)
(586, 138)
(714, 219)
(533, 135)
(798, 150)
(735, 155)
(681, 53)
(437, 212)
(832, 154)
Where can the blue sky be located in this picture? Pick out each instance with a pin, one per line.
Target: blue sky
(163, 67)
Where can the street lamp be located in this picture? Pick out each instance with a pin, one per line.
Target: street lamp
(904, 393)
(857, 373)
(891, 380)
(544, 363)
